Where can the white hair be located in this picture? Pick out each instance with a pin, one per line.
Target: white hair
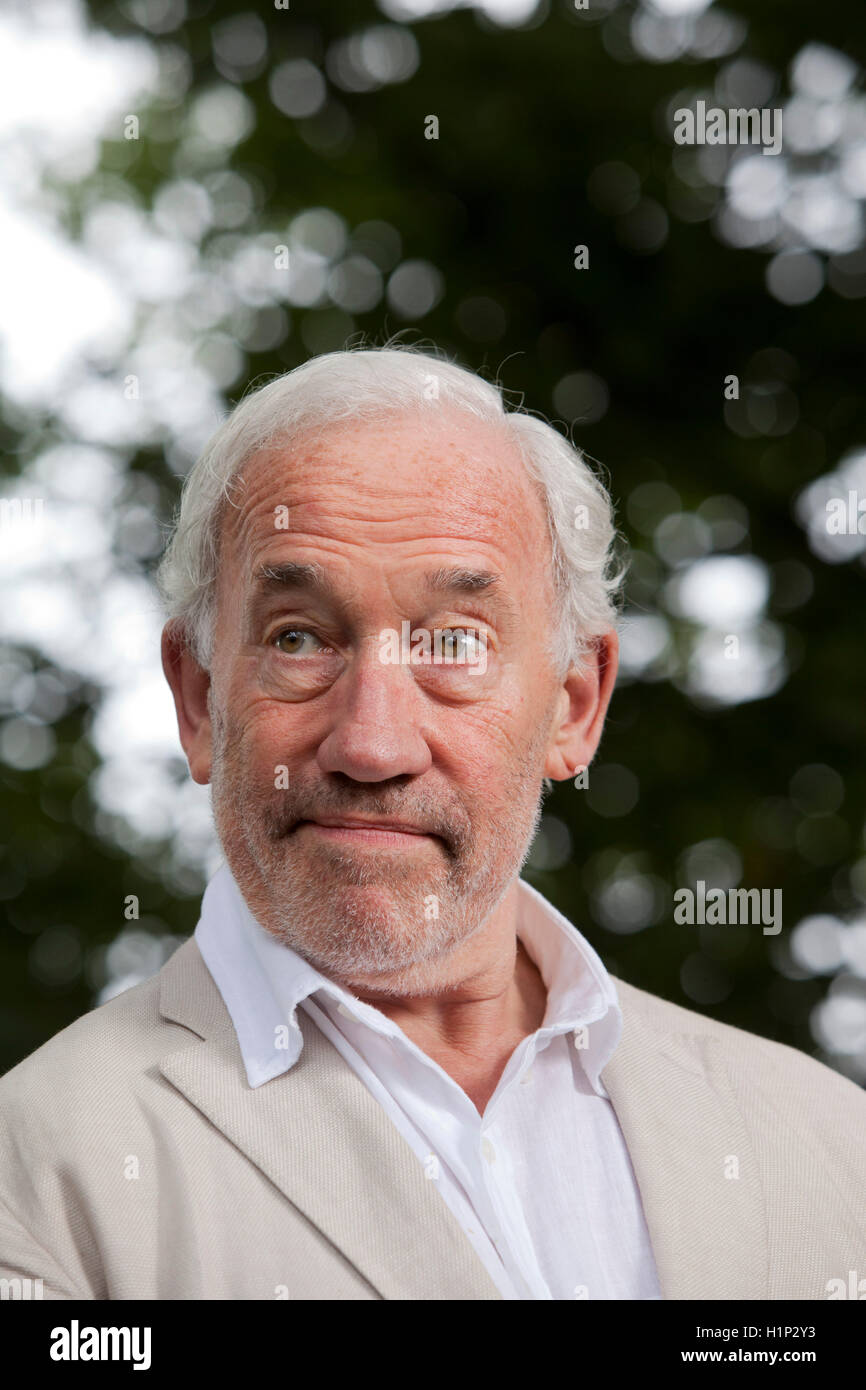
(367, 384)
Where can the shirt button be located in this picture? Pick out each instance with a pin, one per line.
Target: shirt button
(488, 1150)
(526, 1077)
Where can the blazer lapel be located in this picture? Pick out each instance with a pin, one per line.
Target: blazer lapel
(692, 1158)
(321, 1137)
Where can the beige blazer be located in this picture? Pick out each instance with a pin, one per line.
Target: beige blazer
(137, 1162)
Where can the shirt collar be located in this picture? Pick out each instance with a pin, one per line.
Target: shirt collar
(262, 982)
(581, 996)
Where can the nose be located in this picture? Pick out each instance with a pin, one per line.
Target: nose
(375, 733)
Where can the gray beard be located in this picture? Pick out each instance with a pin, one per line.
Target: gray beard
(351, 919)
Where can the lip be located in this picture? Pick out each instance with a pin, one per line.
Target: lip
(359, 823)
(381, 832)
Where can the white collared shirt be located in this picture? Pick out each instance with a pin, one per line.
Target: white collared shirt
(542, 1183)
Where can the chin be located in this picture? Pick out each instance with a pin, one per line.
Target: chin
(391, 914)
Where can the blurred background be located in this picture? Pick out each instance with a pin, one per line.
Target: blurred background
(197, 194)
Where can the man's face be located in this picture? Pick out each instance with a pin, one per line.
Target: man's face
(312, 719)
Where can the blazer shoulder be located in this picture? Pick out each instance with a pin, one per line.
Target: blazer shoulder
(753, 1062)
(101, 1049)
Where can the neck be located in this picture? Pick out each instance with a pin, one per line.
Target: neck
(475, 1008)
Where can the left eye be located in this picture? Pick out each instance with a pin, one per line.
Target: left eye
(291, 640)
(461, 644)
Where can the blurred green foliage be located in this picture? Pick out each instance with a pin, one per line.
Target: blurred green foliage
(498, 203)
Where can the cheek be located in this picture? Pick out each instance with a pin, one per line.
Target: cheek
(506, 726)
(487, 749)
(258, 736)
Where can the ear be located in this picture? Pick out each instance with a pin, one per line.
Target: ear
(583, 703)
(189, 684)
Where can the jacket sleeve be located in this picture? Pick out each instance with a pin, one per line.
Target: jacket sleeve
(26, 1270)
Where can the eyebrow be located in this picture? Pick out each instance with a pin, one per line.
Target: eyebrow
(289, 574)
(459, 580)
(313, 578)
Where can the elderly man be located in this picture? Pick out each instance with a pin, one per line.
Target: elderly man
(384, 1066)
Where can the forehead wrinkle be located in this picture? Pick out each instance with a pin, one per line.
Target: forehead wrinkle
(492, 511)
(417, 531)
(339, 501)
(411, 468)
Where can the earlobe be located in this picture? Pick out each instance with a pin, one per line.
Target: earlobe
(190, 686)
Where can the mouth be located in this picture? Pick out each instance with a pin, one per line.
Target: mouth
(384, 833)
